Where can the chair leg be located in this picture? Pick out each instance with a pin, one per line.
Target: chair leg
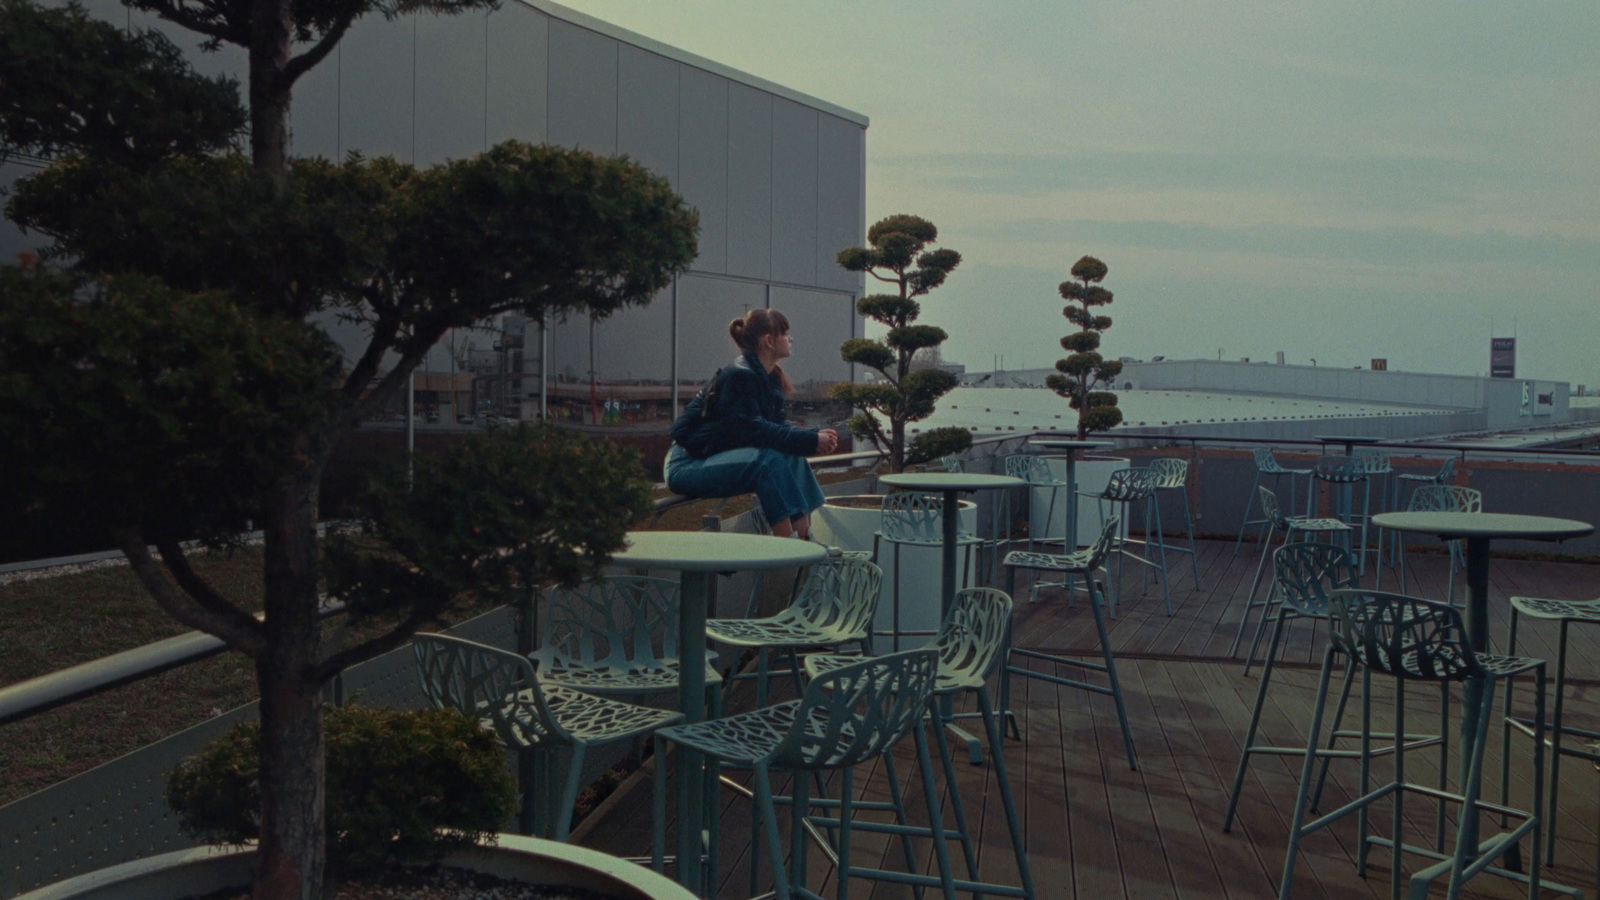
(569, 793)
(847, 789)
(658, 807)
(1255, 720)
(1245, 522)
(527, 776)
(1338, 719)
(1267, 606)
(769, 823)
(957, 808)
(799, 810)
(1250, 600)
(1111, 673)
(1013, 824)
(1301, 797)
(941, 849)
(1188, 522)
(895, 795)
(1556, 726)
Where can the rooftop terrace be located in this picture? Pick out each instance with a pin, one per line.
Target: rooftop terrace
(1095, 829)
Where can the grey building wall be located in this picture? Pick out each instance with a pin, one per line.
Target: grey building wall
(777, 177)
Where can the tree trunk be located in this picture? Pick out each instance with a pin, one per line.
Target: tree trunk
(897, 446)
(292, 856)
(270, 24)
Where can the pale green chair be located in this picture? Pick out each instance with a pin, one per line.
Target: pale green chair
(1266, 464)
(970, 645)
(1083, 563)
(1415, 640)
(915, 519)
(1438, 498)
(851, 715)
(1035, 470)
(1567, 613)
(614, 637)
(1172, 474)
(500, 689)
(834, 607)
(1291, 526)
(1306, 574)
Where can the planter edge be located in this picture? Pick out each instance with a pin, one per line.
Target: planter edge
(200, 870)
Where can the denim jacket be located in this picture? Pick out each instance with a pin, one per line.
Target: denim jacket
(748, 409)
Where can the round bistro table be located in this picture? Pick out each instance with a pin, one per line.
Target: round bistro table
(697, 556)
(1478, 529)
(1071, 447)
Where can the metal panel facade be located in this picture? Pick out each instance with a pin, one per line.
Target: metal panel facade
(450, 77)
(794, 192)
(518, 49)
(377, 90)
(583, 89)
(703, 160)
(647, 110)
(749, 182)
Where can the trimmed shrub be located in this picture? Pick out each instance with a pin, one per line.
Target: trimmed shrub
(401, 786)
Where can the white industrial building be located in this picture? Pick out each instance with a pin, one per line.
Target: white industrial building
(778, 178)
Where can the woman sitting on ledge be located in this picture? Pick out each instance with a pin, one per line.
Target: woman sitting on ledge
(734, 437)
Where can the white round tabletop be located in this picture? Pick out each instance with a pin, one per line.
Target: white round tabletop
(1348, 439)
(1451, 525)
(949, 481)
(715, 551)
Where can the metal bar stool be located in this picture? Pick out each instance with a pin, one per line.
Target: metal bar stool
(1380, 470)
(1341, 473)
(1035, 470)
(498, 687)
(970, 645)
(1583, 612)
(1172, 474)
(1420, 640)
(1437, 498)
(914, 519)
(1129, 487)
(845, 717)
(1305, 575)
(1291, 526)
(1083, 563)
(1266, 464)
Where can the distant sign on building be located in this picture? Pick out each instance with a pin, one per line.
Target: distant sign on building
(1502, 357)
(1380, 365)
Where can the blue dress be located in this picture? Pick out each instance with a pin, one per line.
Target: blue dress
(735, 438)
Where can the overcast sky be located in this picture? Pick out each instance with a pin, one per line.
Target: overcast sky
(1336, 180)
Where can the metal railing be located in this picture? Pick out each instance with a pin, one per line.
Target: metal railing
(46, 692)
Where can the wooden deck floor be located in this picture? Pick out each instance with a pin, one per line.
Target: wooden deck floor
(1095, 829)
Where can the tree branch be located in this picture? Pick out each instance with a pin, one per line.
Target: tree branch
(177, 563)
(303, 63)
(178, 15)
(383, 643)
(241, 631)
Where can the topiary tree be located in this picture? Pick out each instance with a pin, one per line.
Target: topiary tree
(1085, 369)
(898, 256)
(161, 368)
